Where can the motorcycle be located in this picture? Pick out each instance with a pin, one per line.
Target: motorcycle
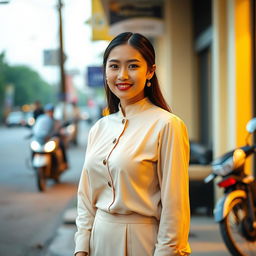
(236, 210)
(47, 157)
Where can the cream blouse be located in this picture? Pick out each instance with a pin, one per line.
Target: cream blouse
(138, 163)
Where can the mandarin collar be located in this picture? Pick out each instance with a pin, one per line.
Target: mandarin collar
(135, 108)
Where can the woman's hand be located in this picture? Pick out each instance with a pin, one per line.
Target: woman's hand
(81, 254)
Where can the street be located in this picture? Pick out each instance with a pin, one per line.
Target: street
(29, 218)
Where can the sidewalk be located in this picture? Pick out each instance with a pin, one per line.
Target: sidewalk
(205, 239)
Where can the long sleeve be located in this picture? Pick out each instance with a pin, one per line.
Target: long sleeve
(172, 167)
(85, 211)
(138, 163)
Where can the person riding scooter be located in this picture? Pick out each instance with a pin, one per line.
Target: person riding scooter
(46, 127)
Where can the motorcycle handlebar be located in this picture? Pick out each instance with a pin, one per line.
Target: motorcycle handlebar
(210, 177)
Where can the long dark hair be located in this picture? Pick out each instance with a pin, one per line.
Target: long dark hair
(143, 45)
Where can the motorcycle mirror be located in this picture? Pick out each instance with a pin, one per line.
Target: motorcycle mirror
(251, 125)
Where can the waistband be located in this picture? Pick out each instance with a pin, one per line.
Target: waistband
(132, 218)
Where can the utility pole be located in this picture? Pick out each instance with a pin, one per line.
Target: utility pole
(61, 56)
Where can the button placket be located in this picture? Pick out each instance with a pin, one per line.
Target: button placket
(115, 142)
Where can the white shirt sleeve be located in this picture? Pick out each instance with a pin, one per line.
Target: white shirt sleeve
(173, 177)
(85, 212)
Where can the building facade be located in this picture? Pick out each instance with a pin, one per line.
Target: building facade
(206, 67)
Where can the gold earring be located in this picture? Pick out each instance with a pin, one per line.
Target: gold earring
(148, 83)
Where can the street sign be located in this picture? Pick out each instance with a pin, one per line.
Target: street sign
(138, 16)
(51, 57)
(95, 76)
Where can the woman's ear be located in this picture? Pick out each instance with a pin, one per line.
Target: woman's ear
(151, 72)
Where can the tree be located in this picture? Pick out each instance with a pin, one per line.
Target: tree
(3, 68)
(28, 85)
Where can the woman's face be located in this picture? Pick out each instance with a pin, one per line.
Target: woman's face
(126, 74)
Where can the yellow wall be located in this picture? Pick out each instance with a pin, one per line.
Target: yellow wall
(243, 51)
(100, 28)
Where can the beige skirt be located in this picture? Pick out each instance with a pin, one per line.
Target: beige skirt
(123, 235)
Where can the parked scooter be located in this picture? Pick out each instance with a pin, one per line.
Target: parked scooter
(236, 210)
(47, 157)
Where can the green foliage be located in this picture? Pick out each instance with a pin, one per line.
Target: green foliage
(28, 85)
(3, 69)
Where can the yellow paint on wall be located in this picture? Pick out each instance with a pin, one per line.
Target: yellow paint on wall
(243, 51)
(100, 28)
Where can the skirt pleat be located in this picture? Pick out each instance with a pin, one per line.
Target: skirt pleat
(123, 235)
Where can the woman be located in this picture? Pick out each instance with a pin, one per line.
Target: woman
(133, 191)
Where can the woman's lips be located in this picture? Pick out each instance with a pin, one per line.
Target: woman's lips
(123, 86)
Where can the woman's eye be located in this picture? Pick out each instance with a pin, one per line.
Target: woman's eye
(133, 66)
(113, 66)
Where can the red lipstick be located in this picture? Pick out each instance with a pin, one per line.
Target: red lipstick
(123, 86)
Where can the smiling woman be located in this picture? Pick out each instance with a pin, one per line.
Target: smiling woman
(127, 73)
(133, 191)
(141, 50)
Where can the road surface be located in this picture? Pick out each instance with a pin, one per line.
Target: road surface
(28, 218)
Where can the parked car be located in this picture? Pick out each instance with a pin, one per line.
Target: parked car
(15, 118)
(29, 119)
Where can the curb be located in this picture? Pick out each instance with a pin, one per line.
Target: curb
(70, 216)
(63, 243)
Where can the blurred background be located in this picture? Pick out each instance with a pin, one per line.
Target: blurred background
(51, 51)
(47, 54)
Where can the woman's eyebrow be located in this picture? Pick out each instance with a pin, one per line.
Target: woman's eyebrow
(128, 61)
(133, 60)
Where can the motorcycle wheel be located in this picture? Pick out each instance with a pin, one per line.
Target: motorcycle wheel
(41, 179)
(234, 230)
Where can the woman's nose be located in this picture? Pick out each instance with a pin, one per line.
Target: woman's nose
(123, 74)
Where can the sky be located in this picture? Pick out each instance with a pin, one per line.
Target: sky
(28, 27)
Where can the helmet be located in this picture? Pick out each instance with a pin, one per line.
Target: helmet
(49, 107)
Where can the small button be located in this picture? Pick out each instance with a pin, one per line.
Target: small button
(123, 121)
(104, 161)
(109, 184)
(114, 141)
